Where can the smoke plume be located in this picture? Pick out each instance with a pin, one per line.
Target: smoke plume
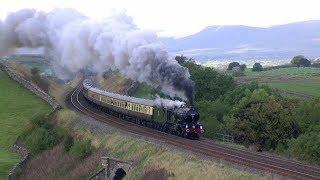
(75, 42)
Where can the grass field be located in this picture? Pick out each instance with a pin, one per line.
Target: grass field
(292, 71)
(17, 107)
(303, 80)
(31, 61)
(309, 88)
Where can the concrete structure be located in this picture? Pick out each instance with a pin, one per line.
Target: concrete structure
(115, 169)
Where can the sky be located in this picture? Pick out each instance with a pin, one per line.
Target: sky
(180, 18)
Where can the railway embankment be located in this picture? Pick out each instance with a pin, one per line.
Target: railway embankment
(151, 158)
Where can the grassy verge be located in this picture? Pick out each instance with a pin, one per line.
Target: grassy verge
(17, 107)
(148, 156)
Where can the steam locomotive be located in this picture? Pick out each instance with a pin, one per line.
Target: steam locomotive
(182, 121)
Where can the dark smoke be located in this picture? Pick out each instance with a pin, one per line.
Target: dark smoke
(75, 42)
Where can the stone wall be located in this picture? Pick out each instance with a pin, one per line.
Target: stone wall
(29, 85)
(17, 168)
(112, 165)
(100, 175)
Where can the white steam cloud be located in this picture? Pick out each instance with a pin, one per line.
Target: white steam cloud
(75, 42)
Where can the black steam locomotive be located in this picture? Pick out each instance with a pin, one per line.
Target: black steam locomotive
(182, 121)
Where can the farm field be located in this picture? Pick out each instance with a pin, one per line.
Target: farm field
(290, 71)
(31, 61)
(17, 107)
(303, 80)
(309, 88)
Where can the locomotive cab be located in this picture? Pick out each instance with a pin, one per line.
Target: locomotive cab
(192, 116)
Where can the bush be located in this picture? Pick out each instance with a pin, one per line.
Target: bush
(67, 143)
(306, 147)
(257, 67)
(309, 114)
(212, 113)
(81, 148)
(262, 120)
(38, 121)
(42, 135)
(40, 139)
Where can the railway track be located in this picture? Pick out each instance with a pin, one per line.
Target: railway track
(259, 161)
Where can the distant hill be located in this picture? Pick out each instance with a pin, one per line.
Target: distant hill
(244, 42)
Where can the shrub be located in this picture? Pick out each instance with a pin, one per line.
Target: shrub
(257, 67)
(306, 147)
(67, 143)
(81, 148)
(42, 135)
(309, 114)
(40, 139)
(39, 121)
(262, 120)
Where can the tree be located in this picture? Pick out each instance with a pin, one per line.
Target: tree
(243, 67)
(306, 147)
(210, 84)
(263, 121)
(300, 61)
(237, 71)
(257, 67)
(232, 65)
(181, 59)
(35, 71)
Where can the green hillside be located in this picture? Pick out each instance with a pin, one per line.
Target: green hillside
(17, 107)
